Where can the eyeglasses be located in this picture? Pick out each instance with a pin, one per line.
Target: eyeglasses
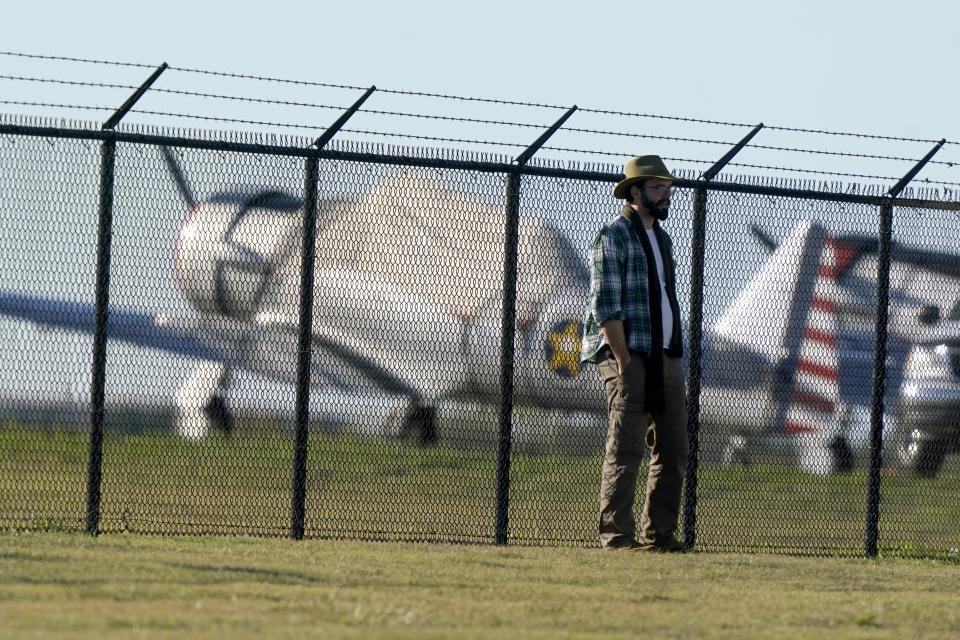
(661, 189)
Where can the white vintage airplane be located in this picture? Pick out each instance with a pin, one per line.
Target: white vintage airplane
(408, 303)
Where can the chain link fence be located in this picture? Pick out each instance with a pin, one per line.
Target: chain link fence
(182, 354)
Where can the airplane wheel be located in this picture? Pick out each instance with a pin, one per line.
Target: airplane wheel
(842, 454)
(411, 421)
(219, 415)
(930, 458)
(736, 451)
(422, 421)
(919, 451)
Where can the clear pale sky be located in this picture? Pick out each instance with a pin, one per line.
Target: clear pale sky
(876, 67)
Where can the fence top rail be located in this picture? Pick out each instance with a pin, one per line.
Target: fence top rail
(465, 165)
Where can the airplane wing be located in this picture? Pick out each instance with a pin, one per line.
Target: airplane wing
(129, 326)
(270, 349)
(942, 332)
(266, 348)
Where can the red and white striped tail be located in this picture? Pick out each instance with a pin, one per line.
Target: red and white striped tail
(813, 415)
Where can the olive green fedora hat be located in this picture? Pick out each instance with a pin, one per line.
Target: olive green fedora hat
(639, 169)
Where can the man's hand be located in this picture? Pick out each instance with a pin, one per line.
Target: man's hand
(615, 337)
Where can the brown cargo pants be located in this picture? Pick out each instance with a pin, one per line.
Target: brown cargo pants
(629, 429)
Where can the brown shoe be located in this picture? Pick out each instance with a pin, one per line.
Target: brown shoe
(668, 544)
(628, 545)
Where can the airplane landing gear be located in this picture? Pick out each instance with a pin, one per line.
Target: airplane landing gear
(422, 423)
(920, 452)
(218, 415)
(736, 451)
(201, 404)
(842, 454)
(412, 421)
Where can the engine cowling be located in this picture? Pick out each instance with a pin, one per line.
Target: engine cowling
(229, 248)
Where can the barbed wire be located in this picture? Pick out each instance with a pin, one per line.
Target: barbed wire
(343, 108)
(266, 123)
(850, 134)
(492, 143)
(752, 166)
(68, 59)
(200, 94)
(490, 100)
(726, 143)
(846, 154)
(421, 94)
(630, 114)
(766, 126)
(56, 105)
(453, 119)
(729, 143)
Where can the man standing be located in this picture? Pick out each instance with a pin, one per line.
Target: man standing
(632, 334)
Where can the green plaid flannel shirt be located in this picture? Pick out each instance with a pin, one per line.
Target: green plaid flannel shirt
(618, 287)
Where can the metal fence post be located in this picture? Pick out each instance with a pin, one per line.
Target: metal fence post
(304, 347)
(698, 249)
(507, 337)
(108, 152)
(102, 302)
(308, 250)
(508, 330)
(879, 380)
(880, 357)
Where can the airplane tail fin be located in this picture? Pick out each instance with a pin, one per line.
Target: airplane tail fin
(788, 314)
(769, 314)
(813, 414)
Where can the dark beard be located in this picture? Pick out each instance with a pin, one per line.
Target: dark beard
(660, 213)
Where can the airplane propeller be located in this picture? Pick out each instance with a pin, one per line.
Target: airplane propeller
(173, 164)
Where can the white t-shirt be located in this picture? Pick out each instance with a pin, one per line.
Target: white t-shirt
(666, 313)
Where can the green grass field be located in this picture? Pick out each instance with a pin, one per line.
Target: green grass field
(365, 489)
(69, 585)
